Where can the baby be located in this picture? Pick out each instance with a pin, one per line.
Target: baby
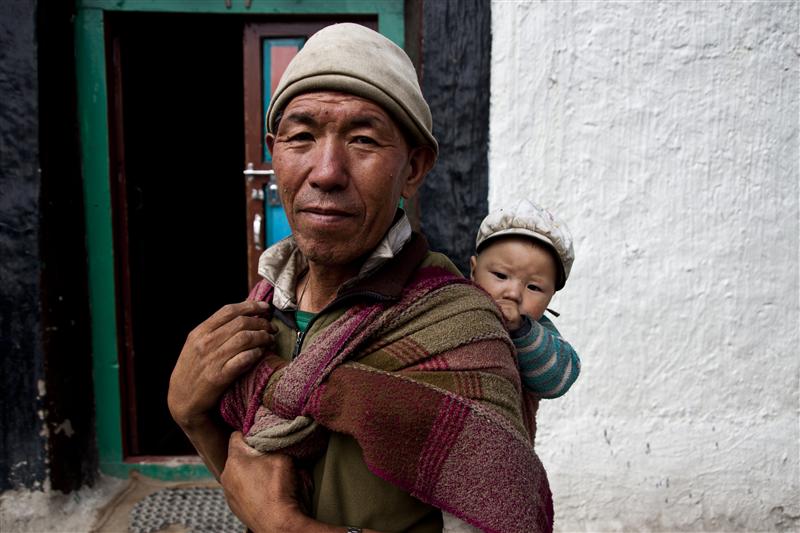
(524, 256)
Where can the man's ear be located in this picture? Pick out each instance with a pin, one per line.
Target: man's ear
(270, 140)
(473, 261)
(421, 160)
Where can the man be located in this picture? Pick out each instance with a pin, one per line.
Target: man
(391, 381)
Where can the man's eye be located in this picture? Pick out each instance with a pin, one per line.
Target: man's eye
(499, 275)
(363, 139)
(302, 136)
(534, 288)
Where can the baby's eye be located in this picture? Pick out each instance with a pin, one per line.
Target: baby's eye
(534, 288)
(500, 275)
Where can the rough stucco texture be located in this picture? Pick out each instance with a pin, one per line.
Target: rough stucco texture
(666, 134)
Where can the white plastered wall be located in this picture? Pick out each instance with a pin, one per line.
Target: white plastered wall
(666, 135)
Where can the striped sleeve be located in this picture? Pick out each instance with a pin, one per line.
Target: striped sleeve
(548, 364)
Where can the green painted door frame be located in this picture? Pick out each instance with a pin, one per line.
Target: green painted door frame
(93, 118)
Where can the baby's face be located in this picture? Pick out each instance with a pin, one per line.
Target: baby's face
(520, 276)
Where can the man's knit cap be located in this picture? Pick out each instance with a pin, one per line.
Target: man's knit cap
(352, 59)
(530, 220)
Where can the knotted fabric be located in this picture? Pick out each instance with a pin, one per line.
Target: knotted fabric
(428, 387)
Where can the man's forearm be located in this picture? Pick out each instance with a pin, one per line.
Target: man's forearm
(210, 439)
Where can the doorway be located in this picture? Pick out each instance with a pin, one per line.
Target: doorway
(176, 124)
(191, 197)
(162, 164)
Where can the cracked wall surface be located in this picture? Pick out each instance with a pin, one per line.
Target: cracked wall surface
(666, 134)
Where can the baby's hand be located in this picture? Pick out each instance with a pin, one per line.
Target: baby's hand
(511, 314)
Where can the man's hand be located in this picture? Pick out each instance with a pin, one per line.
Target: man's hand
(261, 488)
(216, 353)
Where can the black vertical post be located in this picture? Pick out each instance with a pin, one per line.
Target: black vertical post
(22, 386)
(69, 403)
(456, 55)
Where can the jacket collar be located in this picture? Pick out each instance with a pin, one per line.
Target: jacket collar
(384, 273)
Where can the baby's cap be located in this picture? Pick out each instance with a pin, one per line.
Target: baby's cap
(530, 220)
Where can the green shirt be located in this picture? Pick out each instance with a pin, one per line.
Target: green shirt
(303, 318)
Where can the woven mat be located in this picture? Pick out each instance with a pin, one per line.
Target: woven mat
(147, 505)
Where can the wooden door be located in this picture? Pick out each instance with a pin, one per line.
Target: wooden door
(268, 49)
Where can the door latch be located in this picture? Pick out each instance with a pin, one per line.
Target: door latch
(273, 196)
(250, 172)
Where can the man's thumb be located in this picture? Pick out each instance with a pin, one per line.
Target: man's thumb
(238, 446)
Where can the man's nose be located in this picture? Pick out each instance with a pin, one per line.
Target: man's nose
(330, 168)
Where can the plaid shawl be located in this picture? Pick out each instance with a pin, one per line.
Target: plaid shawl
(428, 387)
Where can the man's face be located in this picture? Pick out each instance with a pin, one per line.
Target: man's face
(518, 275)
(342, 165)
